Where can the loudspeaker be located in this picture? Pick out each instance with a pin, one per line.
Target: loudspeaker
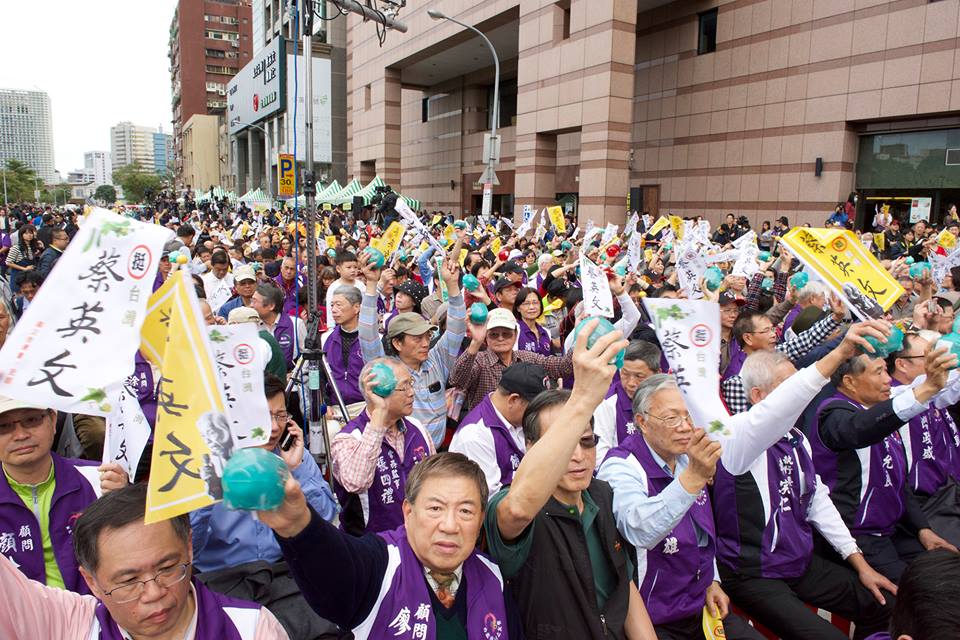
(818, 167)
(636, 199)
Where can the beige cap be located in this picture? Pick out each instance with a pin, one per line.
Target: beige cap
(412, 323)
(501, 318)
(244, 272)
(11, 404)
(243, 314)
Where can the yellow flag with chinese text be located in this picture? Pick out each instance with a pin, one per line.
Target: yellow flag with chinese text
(495, 245)
(153, 335)
(676, 223)
(391, 238)
(712, 626)
(192, 438)
(658, 226)
(844, 264)
(556, 219)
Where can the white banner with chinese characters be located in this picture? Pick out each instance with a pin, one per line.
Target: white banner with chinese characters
(634, 252)
(240, 364)
(609, 233)
(127, 430)
(689, 334)
(80, 332)
(407, 214)
(690, 268)
(597, 298)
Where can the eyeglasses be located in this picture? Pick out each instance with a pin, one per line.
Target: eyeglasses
(404, 387)
(673, 422)
(280, 418)
(165, 579)
(769, 329)
(500, 335)
(30, 421)
(589, 442)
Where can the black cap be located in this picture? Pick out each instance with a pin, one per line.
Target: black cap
(503, 283)
(728, 298)
(511, 267)
(525, 379)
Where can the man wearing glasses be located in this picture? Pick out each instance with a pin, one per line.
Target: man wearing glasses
(40, 494)
(375, 452)
(659, 479)
(552, 532)
(140, 579)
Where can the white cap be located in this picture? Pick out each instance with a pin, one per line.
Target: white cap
(501, 318)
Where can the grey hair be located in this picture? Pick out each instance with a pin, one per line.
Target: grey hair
(388, 360)
(648, 388)
(852, 367)
(352, 294)
(812, 288)
(647, 352)
(758, 369)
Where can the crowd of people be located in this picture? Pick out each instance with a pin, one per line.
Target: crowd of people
(515, 482)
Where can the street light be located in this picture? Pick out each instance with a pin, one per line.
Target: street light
(267, 163)
(492, 148)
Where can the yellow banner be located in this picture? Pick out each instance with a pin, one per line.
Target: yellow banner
(435, 220)
(712, 626)
(880, 239)
(331, 242)
(153, 335)
(947, 240)
(557, 219)
(463, 256)
(658, 226)
(676, 223)
(186, 464)
(327, 206)
(495, 245)
(448, 233)
(841, 260)
(391, 238)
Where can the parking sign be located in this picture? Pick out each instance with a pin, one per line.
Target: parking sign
(286, 176)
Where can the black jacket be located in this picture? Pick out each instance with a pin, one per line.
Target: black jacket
(555, 588)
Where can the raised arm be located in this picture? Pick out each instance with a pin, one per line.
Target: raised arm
(30, 610)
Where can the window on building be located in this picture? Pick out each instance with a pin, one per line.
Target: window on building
(707, 38)
(508, 103)
(425, 110)
(563, 30)
(367, 98)
(216, 53)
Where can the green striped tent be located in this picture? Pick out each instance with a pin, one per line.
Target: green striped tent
(413, 204)
(331, 189)
(344, 195)
(256, 199)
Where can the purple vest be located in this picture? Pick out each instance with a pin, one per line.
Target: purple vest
(405, 611)
(678, 569)
(141, 384)
(791, 316)
(213, 623)
(932, 451)
(20, 536)
(881, 505)
(781, 546)
(737, 358)
(385, 494)
(508, 453)
(538, 342)
(347, 378)
(289, 293)
(283, 332)
(625, 425)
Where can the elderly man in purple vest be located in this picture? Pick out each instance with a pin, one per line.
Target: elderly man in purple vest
(931, 442)
(858, 451)
(492, 433)
(375, 452)
(423, 579)
(140, 575)
(290, 331)
(766, 519)
(613, 419)
(553, 532)
(40, 495)
(289, 282)
(341, 343)
(659, 477)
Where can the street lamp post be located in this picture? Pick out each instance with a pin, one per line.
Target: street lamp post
(267, 163)
(491, 147)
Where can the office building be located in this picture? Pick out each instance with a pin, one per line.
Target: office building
(130, 143)
(26, 131)
(201, 162)
(162, 152)
(209, 42)
(100, 164)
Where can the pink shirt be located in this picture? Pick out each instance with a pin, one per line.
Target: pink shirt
(30, 610)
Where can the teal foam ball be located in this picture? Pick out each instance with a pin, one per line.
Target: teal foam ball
(800, 280)
(478, 313)
(882, 349)
(385, 382)
(713, 278)
(253, 480)
(470, 282)
(377, 256)
(602, 329)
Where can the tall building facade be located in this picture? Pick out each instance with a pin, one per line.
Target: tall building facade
(131, 143)
(162, 152)
(26, 131)
(100, 164)
(760, 108)
(209, 42)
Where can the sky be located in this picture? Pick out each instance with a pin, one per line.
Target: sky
(101, 62)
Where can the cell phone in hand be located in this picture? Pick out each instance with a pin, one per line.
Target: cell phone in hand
(287, 438)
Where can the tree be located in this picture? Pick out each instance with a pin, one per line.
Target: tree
(136, 182)
(106, 193)
(21, 181)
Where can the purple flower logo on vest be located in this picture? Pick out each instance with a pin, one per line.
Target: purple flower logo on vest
(420, 453)
(492, 628)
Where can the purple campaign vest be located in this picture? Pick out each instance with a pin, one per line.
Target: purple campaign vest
(213, 622)
(141, 384)
(385, 494)
(931, 449)
(678, 569)
(508, 453)
(737, 358)
(20, 536)
(289, 294)
(625, 425)
(784, 546)
(882, 504)
(538, 342)
(347, 378)
(283, 332)
(405, 611)
(791, 316)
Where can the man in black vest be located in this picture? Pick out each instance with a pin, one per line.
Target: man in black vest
(553, 532)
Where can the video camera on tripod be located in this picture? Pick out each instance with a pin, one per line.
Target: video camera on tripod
(385, 203)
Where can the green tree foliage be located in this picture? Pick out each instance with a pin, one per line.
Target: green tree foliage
(21, 181)
(135, 182)
(106, 193)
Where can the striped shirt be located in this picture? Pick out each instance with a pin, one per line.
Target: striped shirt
(430, 380)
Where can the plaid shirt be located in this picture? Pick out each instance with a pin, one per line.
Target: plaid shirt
(732, 389)
(354, 461)
(755, 289)
(479, 374)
